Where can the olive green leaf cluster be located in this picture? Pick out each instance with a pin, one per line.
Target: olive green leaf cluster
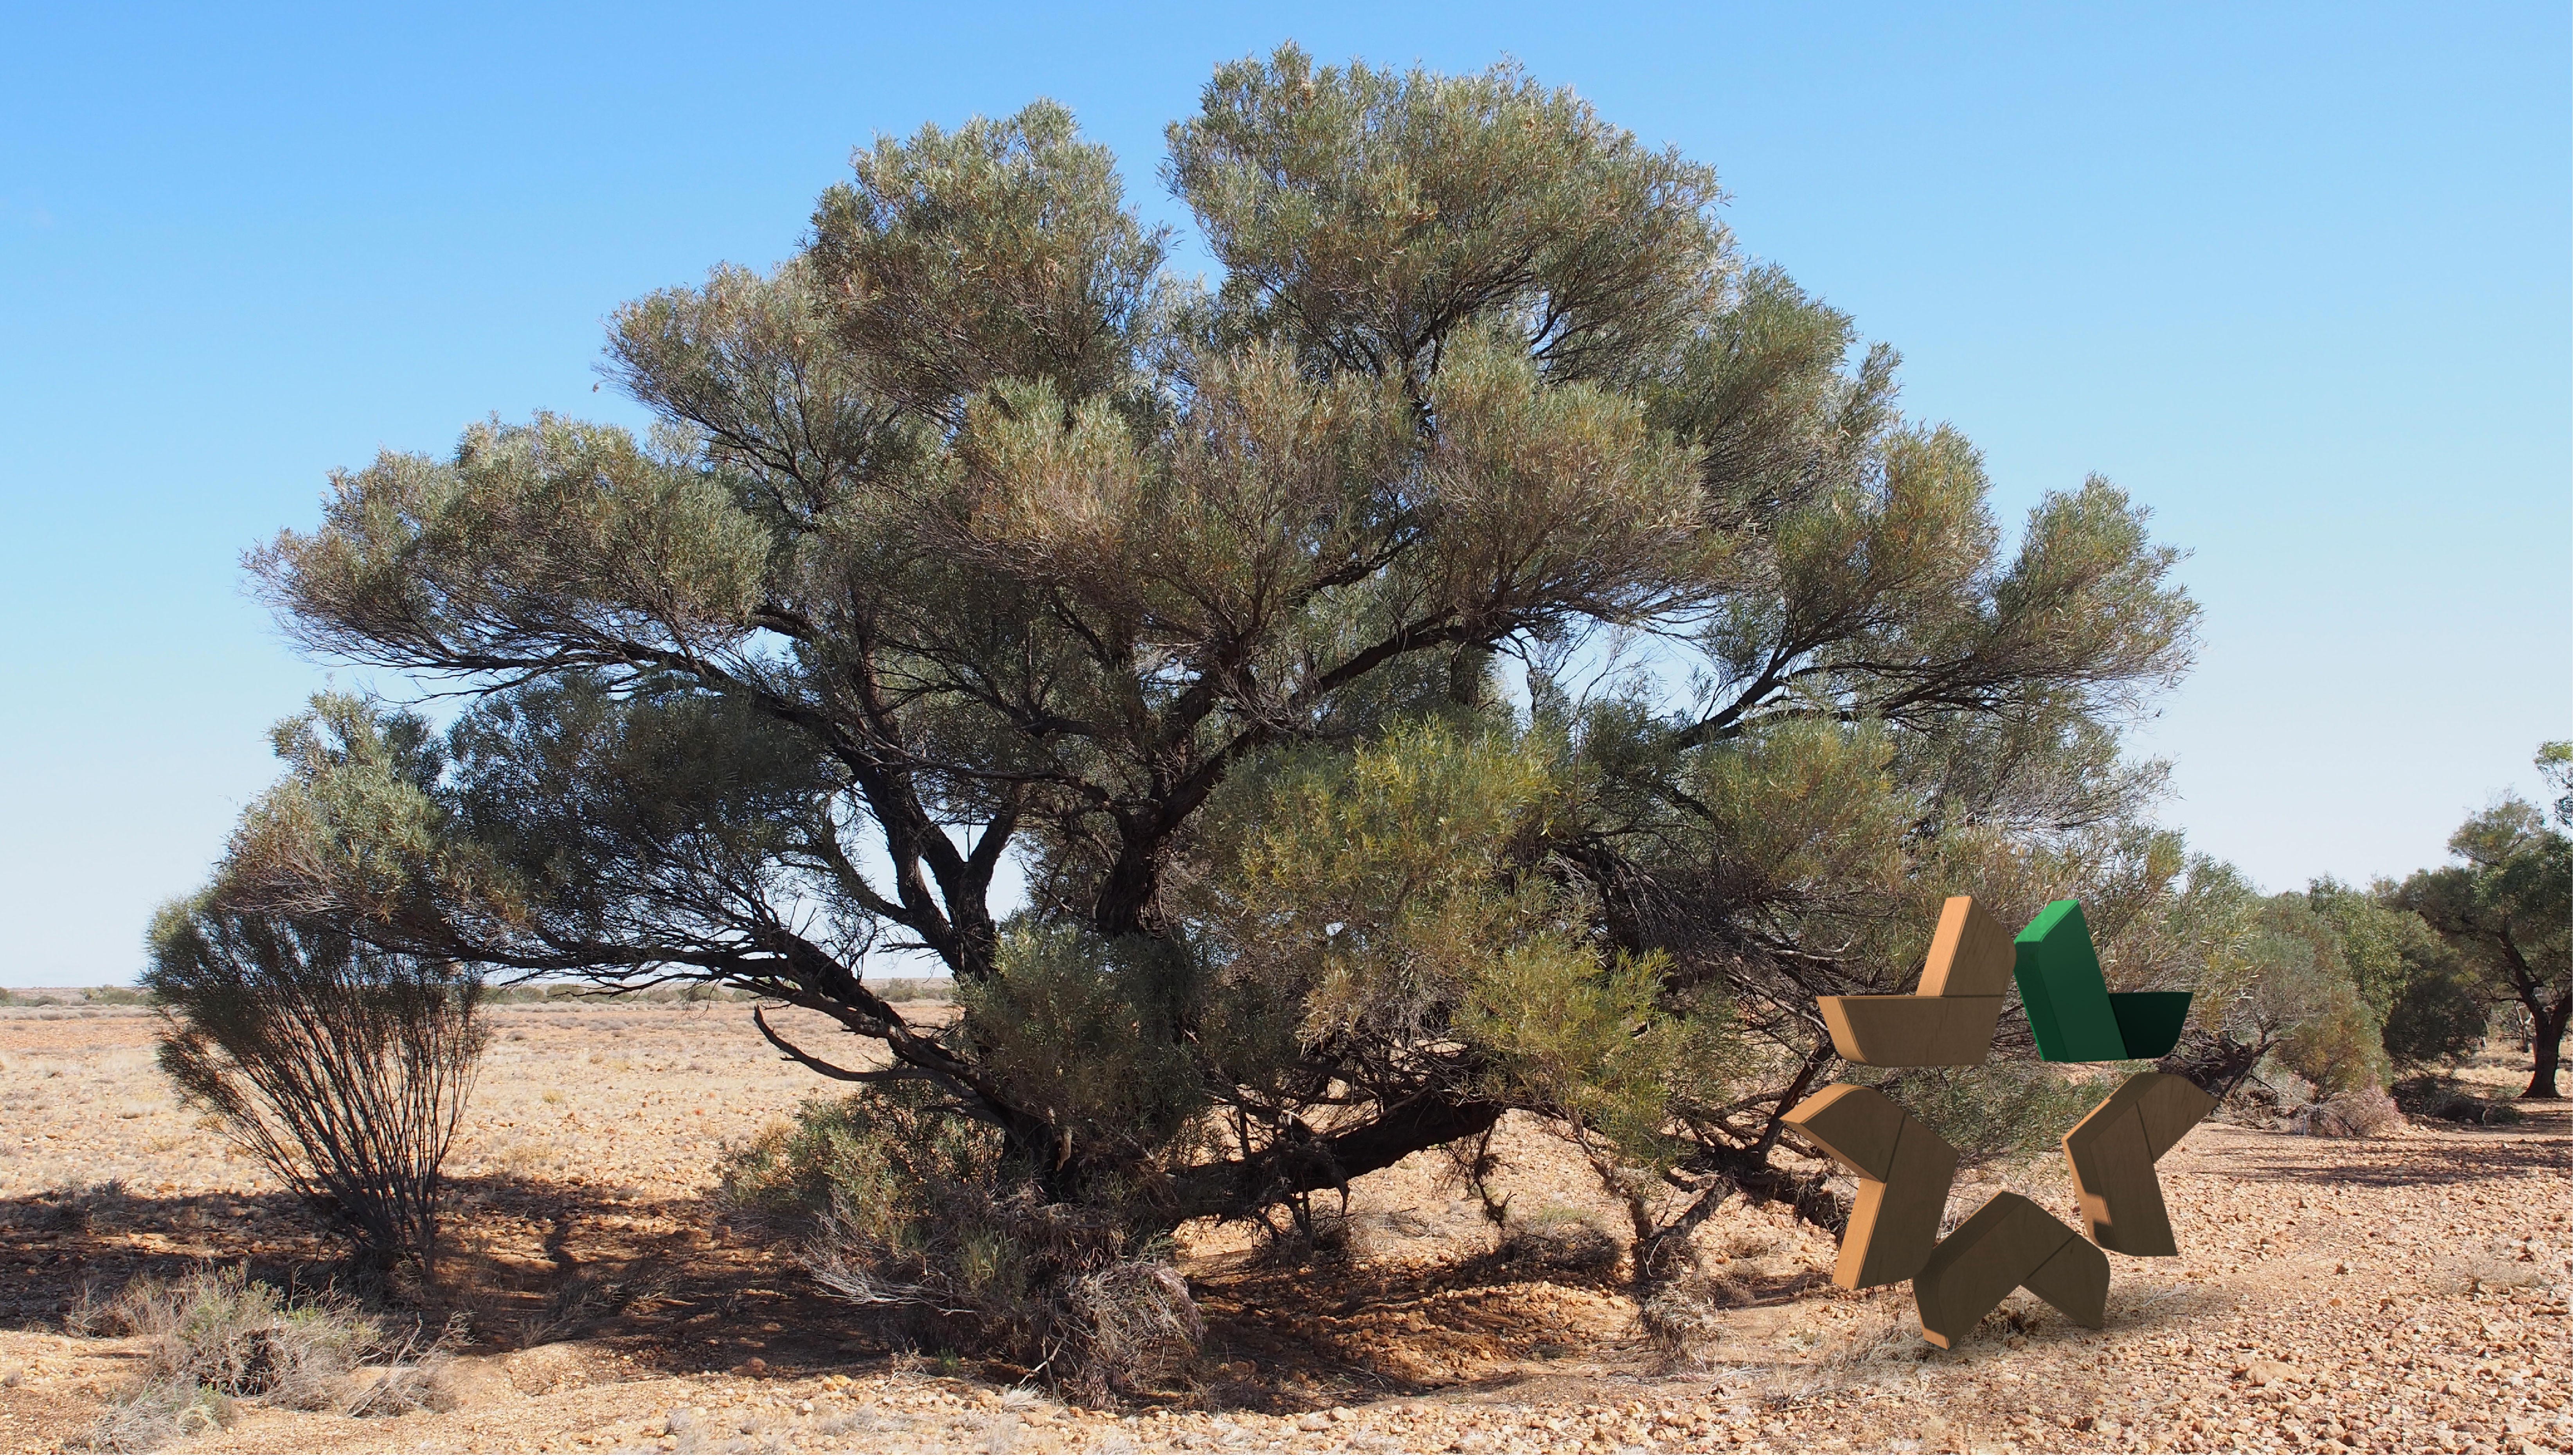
(2506, 910)
(1492, 648)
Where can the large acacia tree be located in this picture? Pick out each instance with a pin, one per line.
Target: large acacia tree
(1496, 647)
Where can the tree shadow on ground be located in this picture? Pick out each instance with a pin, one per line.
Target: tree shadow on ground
(663, 1282)
(2461, 1154)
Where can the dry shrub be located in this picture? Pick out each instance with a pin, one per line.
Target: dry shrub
(215, 1336)
(2365, 1112)
(1680, 1314)
(343, 1068)
(896, 1203)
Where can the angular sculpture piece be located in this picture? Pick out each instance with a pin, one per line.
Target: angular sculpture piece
(1949, 1020)
(2009, 1244)
(2070, 1007)
(1904, 1168)
(2112, 1153)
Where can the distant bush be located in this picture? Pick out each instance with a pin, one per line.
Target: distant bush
(2363, 1112)
(2450, 1100)
(343, 1068)
(116, 996)
(898, 1204)
(215, 1336)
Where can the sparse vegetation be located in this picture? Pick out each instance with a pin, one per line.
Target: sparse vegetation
(933, 1221)
(345, 1068)
(215, 1336)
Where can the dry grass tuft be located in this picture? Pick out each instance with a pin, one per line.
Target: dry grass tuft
(215, 1336)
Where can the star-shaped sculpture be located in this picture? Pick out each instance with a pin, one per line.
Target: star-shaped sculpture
(1904, 1168)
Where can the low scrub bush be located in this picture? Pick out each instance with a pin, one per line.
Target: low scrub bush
(343, 1068)
(897, 1204)
(2450, 1100)
(2365, 1112)
(215, 1336)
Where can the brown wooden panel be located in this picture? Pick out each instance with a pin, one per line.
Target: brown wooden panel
(2112, 1179)
(1894, 1225)
(2076, 1280)
(1971, 1269)
(1855, 1126)
(2170, 1106)
(1970, 955)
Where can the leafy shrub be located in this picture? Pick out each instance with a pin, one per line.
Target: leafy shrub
(215, 1336)
(343, 1068)
(897, 1202)
(2339, 1046)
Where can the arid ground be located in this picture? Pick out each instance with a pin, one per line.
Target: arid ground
(2406, 1293)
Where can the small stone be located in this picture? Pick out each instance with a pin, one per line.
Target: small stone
(2269, 1372)
(1340, 1414)
(1313, 1421)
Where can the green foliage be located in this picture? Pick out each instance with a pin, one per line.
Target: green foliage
(1995, 1112)
(2506, 910)
(972, 536)
(898, 1204)
(1084, 1032)
(2417, 987)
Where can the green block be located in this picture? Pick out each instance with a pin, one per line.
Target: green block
(2061, 989)
(2148, 1022)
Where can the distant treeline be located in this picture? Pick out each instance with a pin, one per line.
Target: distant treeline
(933, 988)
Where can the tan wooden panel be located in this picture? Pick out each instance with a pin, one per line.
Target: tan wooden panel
(2112, 1176)
(2170, 1106)
(1965, 1031)
(1990, 1254)
(2076, 1280)
(1855, 1126)
(1882, 1030)
(1969, 954)
(1894, 1225)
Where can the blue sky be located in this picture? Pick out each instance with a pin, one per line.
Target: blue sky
(2296, 277)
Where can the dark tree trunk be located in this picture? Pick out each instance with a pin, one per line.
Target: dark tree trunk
(2546, 1049)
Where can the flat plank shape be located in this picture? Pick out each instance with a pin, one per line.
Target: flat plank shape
(1894, 1224)
(2171, 1107)
(2075, 1281)
(2008, 1242)
(2111, 1153)
(1855, 1126)
(1880, 1031)
(1971, 954)
(2149, 1022)
(2060, 988)
(1911, 1030)
(1904, 1168)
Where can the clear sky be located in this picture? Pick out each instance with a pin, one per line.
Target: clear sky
(2296, 277)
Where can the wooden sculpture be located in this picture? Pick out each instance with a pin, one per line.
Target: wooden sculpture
(2112, 1153)
(1904, 1168)
(1949, 1020)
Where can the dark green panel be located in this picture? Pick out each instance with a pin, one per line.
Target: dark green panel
(2148, 1022)
(2061, 989)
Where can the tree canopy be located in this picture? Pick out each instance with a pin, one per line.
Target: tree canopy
(1496, 646)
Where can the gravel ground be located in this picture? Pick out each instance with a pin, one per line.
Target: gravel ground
(2406, 1292)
